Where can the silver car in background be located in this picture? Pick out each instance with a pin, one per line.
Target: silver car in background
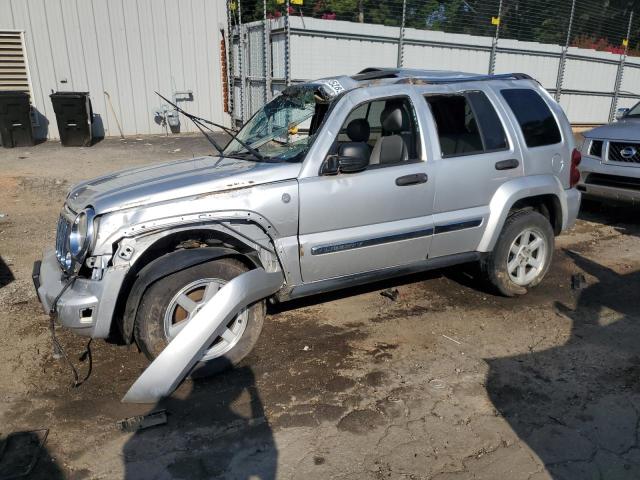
(610, 165)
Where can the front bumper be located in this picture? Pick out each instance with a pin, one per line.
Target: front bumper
(87, 306)
(610, 192)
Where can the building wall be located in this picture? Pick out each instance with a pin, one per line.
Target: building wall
(128, 48)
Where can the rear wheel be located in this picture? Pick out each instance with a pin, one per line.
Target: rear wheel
(522, 255)
(171, 302)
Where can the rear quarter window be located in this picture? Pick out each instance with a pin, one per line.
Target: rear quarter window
(538, 124)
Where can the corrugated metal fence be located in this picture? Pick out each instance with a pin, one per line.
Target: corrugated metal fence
(127, 48)
(592, 83)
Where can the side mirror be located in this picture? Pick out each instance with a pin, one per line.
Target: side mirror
(335, 164)
(330, 166)
(352, 164)
(351, 158)
(621, 113)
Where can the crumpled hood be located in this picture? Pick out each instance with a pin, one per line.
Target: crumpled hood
(626, 129)
(166, 181)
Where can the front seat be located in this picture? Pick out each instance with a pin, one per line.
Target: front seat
(391, 148)
(358, 131)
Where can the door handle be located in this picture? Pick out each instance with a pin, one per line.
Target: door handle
(507, 164)
(412, 179)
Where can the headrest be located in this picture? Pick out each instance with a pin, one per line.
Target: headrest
(391, 118)
(358, 130)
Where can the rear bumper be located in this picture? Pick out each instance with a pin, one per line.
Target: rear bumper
(86, 306)
(573, 198)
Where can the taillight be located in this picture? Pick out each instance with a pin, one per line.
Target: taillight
(576, 158)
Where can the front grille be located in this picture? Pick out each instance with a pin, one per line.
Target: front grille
(62, 240)
(624, 152)
(614, 181)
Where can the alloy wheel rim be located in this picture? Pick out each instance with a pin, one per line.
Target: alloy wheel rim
(526, 257)
(188, 301)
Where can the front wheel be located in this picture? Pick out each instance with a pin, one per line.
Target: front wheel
(522, 255)
(170, 303)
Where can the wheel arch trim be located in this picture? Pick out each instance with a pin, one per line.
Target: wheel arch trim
(163, 266)
(512, 191)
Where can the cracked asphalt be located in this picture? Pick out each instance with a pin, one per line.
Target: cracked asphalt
(446, 382)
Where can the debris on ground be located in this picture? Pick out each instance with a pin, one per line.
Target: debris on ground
(306, 348)
(578, 282)
(140, 422)
(452, 339)
(390, 293)
(437, 384)
(19, 453)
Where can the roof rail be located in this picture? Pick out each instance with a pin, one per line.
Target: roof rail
(477, 78)
(407, 75)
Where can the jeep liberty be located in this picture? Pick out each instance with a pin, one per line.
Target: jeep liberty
(333, 183)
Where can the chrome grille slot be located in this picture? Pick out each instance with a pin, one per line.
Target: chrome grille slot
(623, 152)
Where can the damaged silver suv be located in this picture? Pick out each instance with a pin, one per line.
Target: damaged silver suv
(334, 183)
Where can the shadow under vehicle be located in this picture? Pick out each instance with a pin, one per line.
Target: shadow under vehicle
(577, 406)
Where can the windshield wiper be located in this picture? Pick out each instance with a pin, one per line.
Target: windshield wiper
(201, 122)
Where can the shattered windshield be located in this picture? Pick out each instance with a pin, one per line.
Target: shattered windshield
(283, 129)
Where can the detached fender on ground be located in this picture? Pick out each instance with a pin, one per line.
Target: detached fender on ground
(166, 372)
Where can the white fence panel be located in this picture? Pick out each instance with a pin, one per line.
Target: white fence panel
(590, 76)
(631, 79)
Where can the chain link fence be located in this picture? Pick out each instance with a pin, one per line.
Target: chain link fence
(570, 32)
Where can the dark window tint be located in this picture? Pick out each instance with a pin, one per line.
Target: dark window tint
(467, 124)
(536, 120)
(488, 122)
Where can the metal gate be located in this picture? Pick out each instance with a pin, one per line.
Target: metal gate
(291, 41)
(251, 69)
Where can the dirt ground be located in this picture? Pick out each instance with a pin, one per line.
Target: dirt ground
(446, 382)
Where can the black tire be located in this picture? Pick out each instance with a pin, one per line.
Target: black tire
(149, 329)
(494, 265)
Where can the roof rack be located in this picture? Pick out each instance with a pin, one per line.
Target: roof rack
(480, 78)
(373, 73)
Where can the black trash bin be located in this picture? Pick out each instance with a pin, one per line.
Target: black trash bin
(74, 117)
(15, 119)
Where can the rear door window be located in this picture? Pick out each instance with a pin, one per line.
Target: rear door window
(538, 124)
(467, 124)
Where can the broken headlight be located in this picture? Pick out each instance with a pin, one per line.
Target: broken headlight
(81, 234)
